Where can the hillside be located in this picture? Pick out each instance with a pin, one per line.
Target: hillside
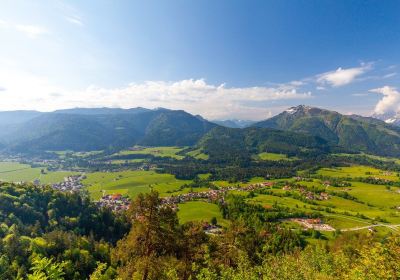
(354, 133)
(236, 144)
(84, 129)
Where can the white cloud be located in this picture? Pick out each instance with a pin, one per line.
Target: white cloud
(75, 20)
(3, 24)
(390, 75)
(390, 101)
(194, 96)
(341, 77)
(32, 31)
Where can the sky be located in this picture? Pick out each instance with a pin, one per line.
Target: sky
(220, 59)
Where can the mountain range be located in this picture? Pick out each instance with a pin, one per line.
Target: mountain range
(97, 129)
(300, 128)
(353, 132)
(389, 117)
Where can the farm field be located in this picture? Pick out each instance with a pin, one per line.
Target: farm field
(156, 151)
(384, 159)
(358, 171)
(274, 157)
(198, 154)
(372, 203)
(199, 211)
(131, 183)
(122, 161)
(17, 172)
(66, 154)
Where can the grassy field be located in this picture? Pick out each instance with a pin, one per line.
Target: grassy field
(156, 151)
(273, 157)
(131, 183)
(123, 161)
(373, 202)
(358, 171)
(66, 154)
(198, 154)
(199, 211)
(17, 172)
(385, 159)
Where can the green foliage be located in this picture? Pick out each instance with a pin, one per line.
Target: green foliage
(46, 269)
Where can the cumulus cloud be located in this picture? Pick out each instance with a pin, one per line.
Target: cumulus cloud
(193, 95)
(341, 77)
(32, 31)
(390, 101)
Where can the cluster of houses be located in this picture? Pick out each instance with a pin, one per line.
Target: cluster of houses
(116, 202)
(70, 183)
(211, 195)
(211, 229)
(308, 194)
(315, 224)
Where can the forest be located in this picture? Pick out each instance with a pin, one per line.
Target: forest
(47, 234)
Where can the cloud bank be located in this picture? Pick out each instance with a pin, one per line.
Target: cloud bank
(390, 101)
(193, 95)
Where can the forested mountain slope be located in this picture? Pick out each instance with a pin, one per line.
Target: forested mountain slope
(350, 132)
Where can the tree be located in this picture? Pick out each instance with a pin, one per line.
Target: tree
(46, 269)
(152, 240)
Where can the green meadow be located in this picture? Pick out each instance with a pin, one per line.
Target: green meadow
(273, 157)
(373, 203)
(156, 151)
(131, 183)
(199, 211)
(358, 171)
(198, 154)
(17, 172)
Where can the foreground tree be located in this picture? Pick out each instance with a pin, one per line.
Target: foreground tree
(152, 242)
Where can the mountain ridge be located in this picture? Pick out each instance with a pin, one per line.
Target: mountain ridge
(348, 131)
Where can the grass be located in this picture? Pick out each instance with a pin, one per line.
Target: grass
(198, 154)
(200, 211)
(17, 172)
(123, 161)
(385, 159)
(155, 151)
(65, 154)
(357, 171)
(131, 183)
(273, 157)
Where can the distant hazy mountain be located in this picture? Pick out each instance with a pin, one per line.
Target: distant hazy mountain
(351, 132)
(102, 111)
(96, 129)
(17, 117)
(389, 117)
(234, 123)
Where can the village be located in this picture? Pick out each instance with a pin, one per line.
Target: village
(315, 224)
(70, 183)
(116, 202)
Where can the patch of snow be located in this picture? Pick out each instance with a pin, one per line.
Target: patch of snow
(291, 110)
(391, 120)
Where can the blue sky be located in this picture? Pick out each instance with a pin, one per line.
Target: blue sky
(220, 59)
